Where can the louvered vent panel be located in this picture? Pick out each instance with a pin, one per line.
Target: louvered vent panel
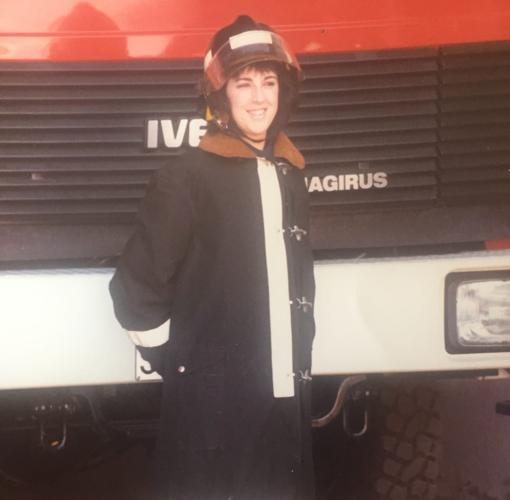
(72, 136)
(367, 128)
(475, 123)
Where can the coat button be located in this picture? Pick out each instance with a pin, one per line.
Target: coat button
(181, 369)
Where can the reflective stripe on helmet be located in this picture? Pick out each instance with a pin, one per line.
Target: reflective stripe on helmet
(250, 38)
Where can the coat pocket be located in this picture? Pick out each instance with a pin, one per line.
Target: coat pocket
(201, 404)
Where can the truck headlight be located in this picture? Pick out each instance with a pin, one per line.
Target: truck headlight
(478, 311)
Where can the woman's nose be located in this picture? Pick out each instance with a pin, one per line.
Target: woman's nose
(258, 93)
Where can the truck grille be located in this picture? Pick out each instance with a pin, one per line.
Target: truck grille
(366, 113)
(474, 127)
(72, 141)
(433, 124)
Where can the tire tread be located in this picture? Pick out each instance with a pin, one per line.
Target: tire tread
(411, 449)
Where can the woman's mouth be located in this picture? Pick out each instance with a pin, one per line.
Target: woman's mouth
(257, 114)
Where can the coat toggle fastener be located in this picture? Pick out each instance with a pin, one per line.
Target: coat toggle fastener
(297, 232)
(283, 167)
(303, 376)
(303, 304)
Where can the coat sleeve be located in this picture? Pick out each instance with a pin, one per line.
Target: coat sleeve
(143, 284)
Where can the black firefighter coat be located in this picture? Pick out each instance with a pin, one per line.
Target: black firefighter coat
(221, 247)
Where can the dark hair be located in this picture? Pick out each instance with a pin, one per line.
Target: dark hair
(287, 99)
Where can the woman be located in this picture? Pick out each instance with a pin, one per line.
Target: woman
(221, 248)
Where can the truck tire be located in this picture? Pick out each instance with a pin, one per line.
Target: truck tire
(406, 442)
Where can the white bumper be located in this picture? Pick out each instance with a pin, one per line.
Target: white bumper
(57, 328)
(388, 315)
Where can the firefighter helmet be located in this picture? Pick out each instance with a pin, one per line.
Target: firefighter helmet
(240, 44)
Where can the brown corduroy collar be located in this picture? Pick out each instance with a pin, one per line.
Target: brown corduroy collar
(226, 145)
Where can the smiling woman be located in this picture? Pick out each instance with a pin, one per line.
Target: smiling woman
(221, 249)
(253, 99)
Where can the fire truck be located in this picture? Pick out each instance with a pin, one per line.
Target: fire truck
(404, 122)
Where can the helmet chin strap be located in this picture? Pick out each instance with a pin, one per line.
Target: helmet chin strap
(242, 135)
(235, 131)
(257, 141)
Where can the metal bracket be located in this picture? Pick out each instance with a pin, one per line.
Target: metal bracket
(54, 444)
(53, 415)
(341, 396)
(347, 420)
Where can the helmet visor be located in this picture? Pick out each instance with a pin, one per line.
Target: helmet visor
(242, 50)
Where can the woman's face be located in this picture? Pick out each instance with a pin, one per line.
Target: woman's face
(253, 98)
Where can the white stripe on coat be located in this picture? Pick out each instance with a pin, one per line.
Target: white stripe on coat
(150, 338)
(278, 280)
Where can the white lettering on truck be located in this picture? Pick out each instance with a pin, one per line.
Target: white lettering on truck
(346, 182)
(173, 132)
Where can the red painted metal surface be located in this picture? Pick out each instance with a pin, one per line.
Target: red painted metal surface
(131, 29)
(497, 244)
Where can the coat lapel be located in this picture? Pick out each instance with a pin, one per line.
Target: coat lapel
(229, 146)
